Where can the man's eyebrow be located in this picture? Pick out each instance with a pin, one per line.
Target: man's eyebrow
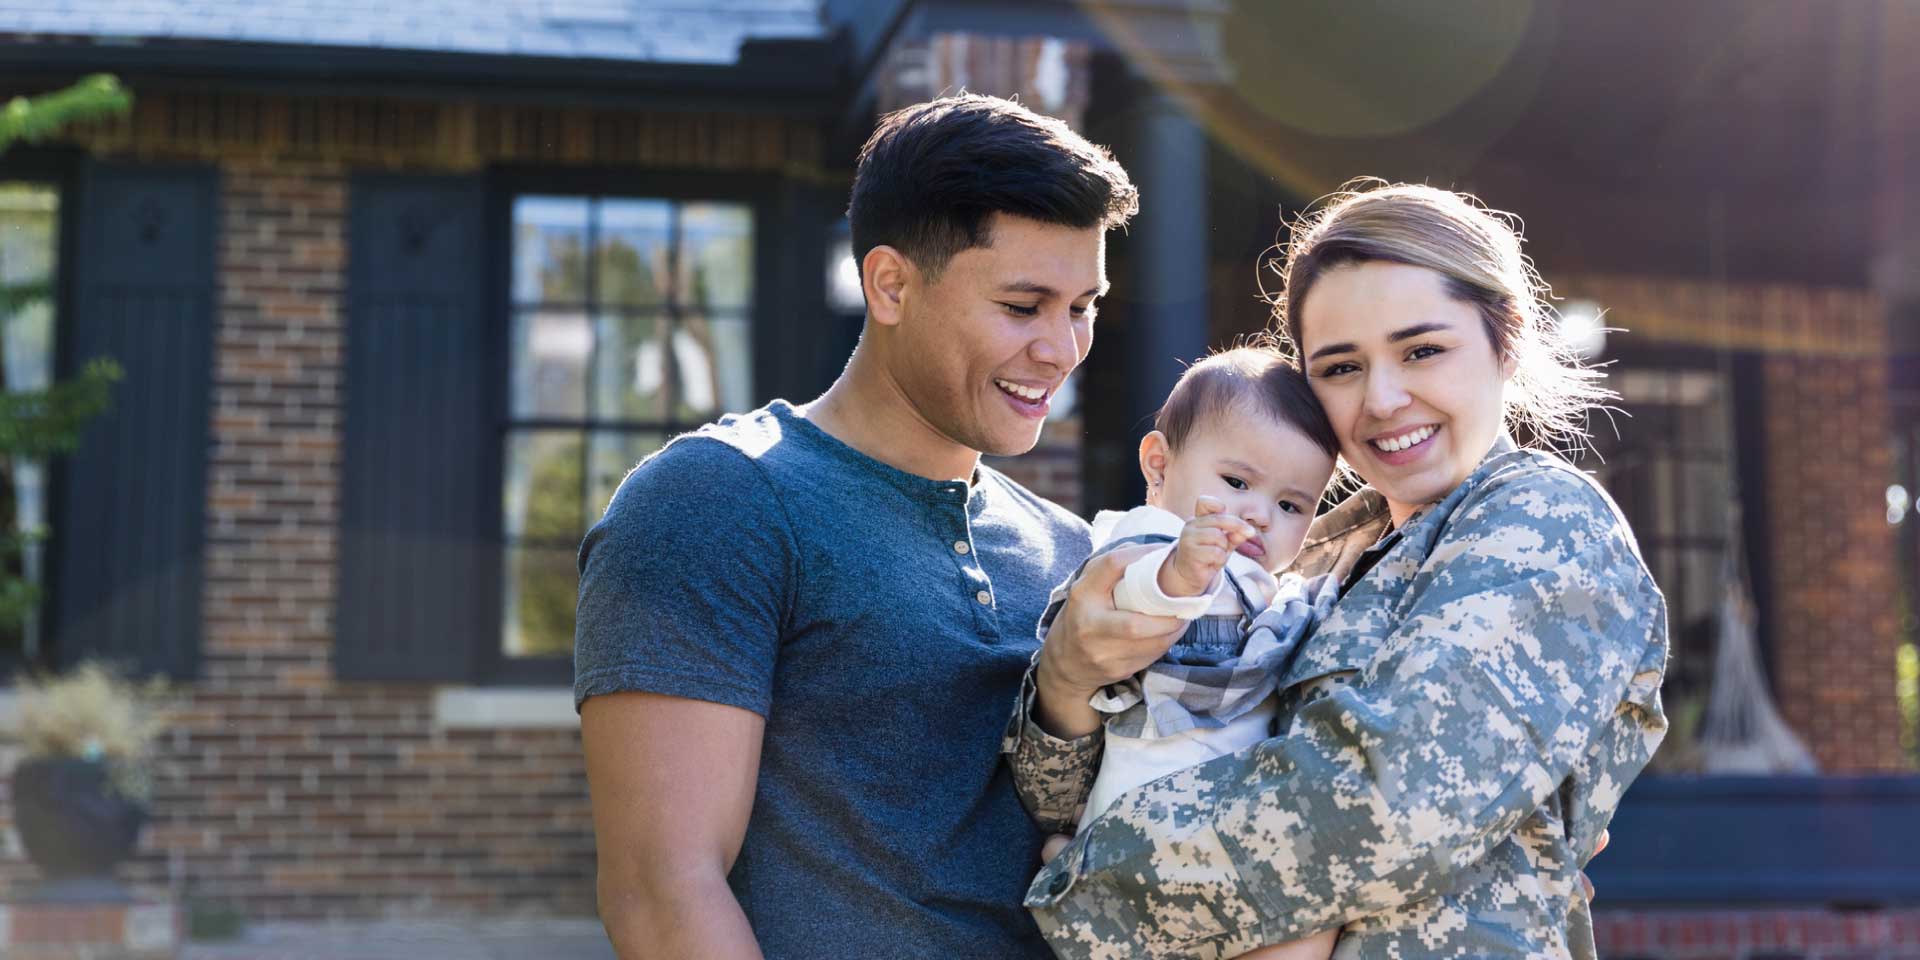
(1041, 289)
(1405, 333)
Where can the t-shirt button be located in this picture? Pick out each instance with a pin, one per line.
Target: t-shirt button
(1061, 881)
(960, 547)
(984, 597)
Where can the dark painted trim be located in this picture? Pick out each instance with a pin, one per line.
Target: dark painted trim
(1751, 407)
(1843, 841)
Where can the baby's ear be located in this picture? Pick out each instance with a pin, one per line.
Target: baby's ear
(1154, 453)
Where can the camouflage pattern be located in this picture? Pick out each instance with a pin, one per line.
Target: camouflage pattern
(1052, 777)
(1451, 741)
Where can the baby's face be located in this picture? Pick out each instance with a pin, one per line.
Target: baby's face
(1266, 471)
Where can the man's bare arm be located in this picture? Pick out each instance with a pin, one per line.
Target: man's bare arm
(672, 782)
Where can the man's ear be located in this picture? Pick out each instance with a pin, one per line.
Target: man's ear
(1154, 451)
(885, 274)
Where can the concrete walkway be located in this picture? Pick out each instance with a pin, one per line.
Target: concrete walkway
(464, 939)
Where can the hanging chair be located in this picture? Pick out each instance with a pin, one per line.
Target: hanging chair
(1742, 732)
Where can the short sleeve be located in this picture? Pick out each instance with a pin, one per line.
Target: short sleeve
(686, 581)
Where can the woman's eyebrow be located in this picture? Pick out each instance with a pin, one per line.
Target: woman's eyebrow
(1332, 348)
(1405, 333)
(1408, 333)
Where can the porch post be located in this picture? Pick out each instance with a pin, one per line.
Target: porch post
(1169, 243)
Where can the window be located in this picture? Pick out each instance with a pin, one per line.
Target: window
(1675, 470)
(29, 254)
(629, 322)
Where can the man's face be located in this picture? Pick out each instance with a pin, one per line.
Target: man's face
(984, 345)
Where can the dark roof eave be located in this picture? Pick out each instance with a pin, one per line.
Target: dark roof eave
(792, 75)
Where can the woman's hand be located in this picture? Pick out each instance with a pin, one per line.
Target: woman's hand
(1093, 643)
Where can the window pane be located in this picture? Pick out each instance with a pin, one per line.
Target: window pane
(550, 351)
(549, 250)
(714, 364)
(611, 455)
(717, 260)
(631, 253)
(629, 368)
(543, 487)
(541, 585)
(29, 225)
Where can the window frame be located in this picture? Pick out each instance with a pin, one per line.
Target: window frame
(759, 192)
(62, 168)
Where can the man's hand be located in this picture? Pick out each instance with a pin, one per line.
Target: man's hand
(1092, 643)
(1204, 546)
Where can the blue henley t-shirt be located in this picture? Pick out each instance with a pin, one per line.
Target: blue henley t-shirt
(880, 622)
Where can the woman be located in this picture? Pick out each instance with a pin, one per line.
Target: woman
(1453, 739)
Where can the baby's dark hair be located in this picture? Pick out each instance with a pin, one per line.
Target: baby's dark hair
(1250, 376)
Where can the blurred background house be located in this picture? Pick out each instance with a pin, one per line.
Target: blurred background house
(403, 288)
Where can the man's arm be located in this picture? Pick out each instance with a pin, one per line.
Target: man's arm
(672, 782)
(683, 597)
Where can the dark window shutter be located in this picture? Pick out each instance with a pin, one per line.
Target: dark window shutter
(415, 552)
(129, 518)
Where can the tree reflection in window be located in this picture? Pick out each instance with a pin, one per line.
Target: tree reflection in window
(630, 323)
(29, 244)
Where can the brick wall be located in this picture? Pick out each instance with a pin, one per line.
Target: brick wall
(284, 790)
(1052, 468)
(1826, 431)
(1835, 631)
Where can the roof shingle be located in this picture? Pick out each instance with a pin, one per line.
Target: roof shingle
(661, 31)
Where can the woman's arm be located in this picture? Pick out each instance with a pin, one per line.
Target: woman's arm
(1535, 626)
(1053, 741)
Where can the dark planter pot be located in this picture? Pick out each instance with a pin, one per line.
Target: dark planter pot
(75, 827)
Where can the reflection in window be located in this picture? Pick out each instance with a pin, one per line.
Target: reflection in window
(29, 241)
(630, 323)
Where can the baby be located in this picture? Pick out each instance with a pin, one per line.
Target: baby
(1237, 461)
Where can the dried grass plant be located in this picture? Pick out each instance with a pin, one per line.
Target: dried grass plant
(94, 713)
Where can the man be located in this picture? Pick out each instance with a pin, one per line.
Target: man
(801, 629)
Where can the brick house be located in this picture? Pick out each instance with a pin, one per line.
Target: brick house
(402, 293)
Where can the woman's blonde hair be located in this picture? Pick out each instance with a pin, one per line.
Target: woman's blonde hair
(1477, 252)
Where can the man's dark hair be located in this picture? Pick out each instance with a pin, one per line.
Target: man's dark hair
(1258, 377)
(932, 175)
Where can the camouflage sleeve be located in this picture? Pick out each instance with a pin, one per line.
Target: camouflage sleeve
(1530, 627)
(1052, 776)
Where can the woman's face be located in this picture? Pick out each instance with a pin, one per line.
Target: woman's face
(1407, 375)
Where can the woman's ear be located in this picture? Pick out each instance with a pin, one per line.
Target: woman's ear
(884, 275)
(1154, 451)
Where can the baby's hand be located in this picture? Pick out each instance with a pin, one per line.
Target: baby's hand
(1203, 548)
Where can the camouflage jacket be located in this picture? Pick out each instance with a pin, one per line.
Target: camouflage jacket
(1450, 743)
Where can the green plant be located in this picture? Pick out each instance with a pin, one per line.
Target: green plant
(94, 713)
(31, 118)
